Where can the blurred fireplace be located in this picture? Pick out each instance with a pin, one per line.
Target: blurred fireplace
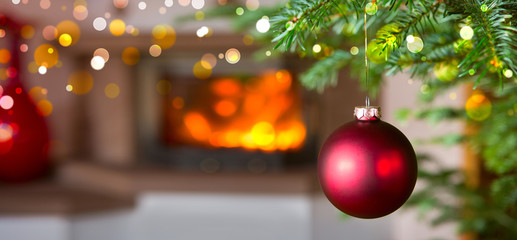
(243, 117)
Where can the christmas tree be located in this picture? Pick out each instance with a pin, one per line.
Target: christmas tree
(442, 43)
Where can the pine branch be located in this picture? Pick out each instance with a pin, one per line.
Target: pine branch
(497, 44)
(294, 23)
(325, 72)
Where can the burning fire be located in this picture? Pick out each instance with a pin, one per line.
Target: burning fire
(257, 113)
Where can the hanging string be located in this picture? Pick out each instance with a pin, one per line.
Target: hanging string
(366, 60)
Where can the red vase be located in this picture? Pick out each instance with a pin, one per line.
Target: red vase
(24, 138)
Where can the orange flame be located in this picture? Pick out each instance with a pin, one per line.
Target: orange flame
(260, 113)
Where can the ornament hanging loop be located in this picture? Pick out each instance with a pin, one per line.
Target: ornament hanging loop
(366, 58)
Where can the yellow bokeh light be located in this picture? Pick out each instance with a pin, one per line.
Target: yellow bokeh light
(200, 71)
(248, 39)
(71, 28)
(44, 107)
(27, 32)
(32, 67)
(131, 56)
(164, 36)
(117, 27)
(164, 87)
(65, 40)
(46, 55)
(112, 90)
(81, 82)
(478, 106)
(263, 134)
(233, 56)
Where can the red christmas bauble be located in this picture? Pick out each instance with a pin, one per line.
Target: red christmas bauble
(367, 168)
(24, 138)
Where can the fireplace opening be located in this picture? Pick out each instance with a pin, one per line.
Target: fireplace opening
(245, 117)
(262, 112)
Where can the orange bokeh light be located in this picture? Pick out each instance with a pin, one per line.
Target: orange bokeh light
(225, 108)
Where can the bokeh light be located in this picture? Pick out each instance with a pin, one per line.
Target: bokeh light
(169, 3)
(233, 56)
(252, 5)
(163, 87)
(199, 15)
(202, 31)
(239, 11)
(102, 52)
(414, 44)
(131, 56)
(6, 102)
(117, 27)
(478, 106)
(65, 40)
(11, 72)
(44, 107)
(24, 48)
(164, 36)
(248, 39)
(155, 50)
(263, 24)
(225, 108)
(263, 134)
(466, 32)
(142, 5)
(5, 56)
(198, 4)
(80, 12)
(162, 10)
(210, 59)
(6, 138)
(71, 28)
(97, 62)
(81, 82)
(120, 3)
(354, 50)
(112, 90)
(316, 48)
(446, 71)
(99, 24)
(49, 33)
(184, 3)
(37, 94)
(507, 73)
(42, 70)
(27, 32)
(178, 103)
(201, 71)
(44, 4)
(46, 55)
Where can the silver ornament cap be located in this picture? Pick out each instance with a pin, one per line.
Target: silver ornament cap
(367, 113)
